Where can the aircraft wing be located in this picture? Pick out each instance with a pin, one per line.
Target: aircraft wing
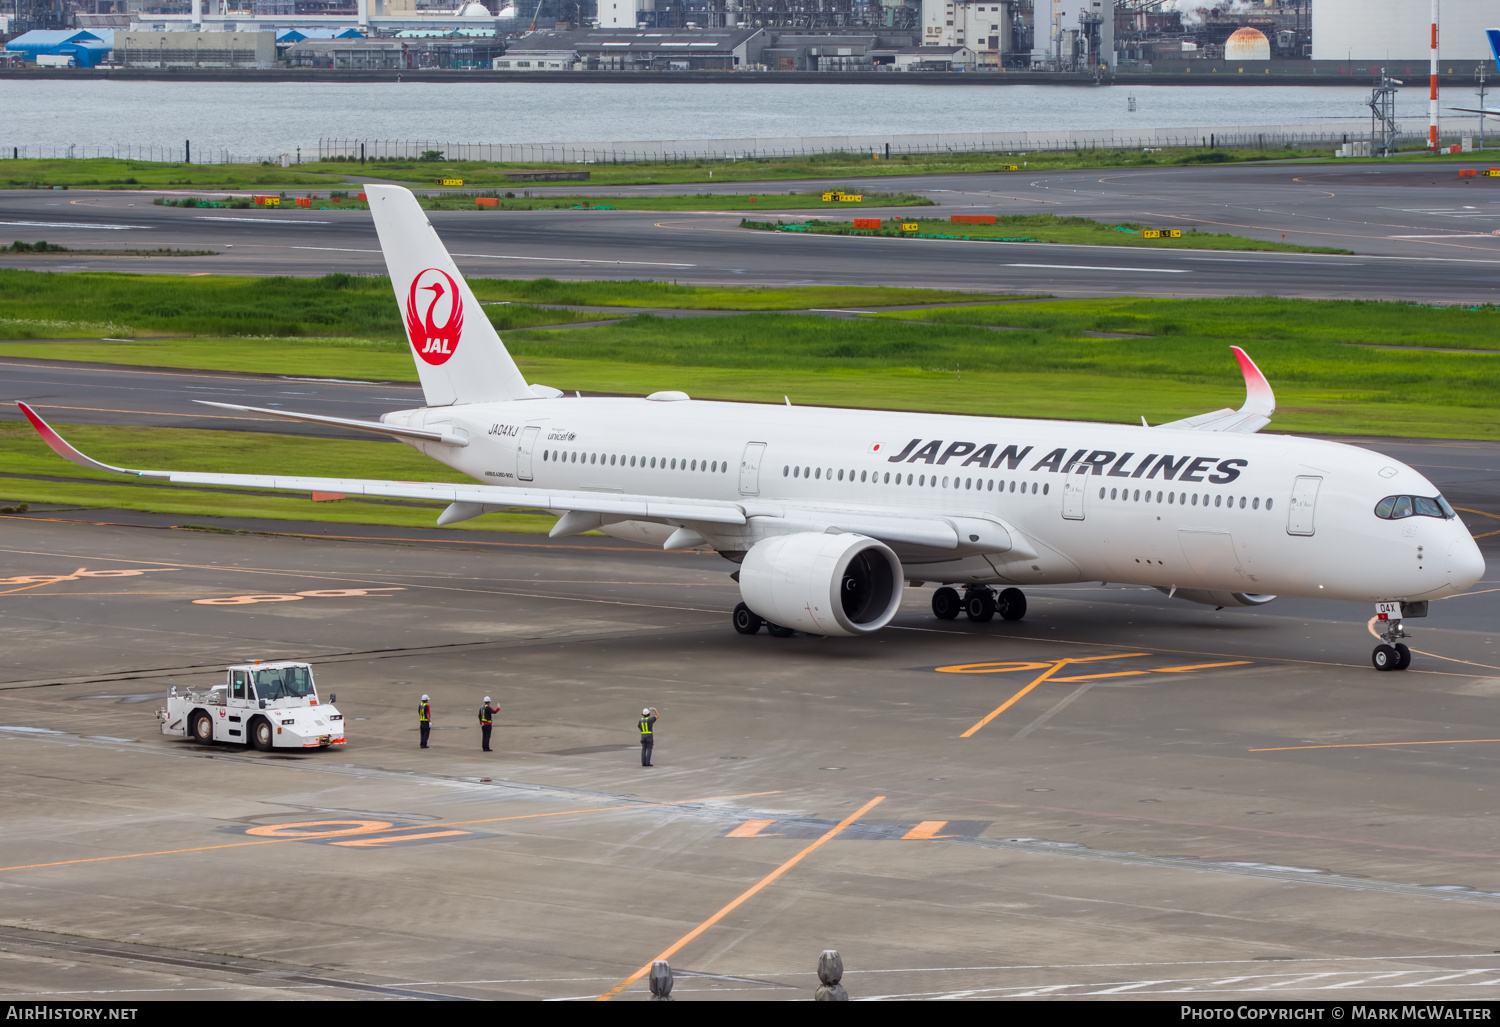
(494, 496)
(471, 500)
(1491, 111)
(1255, 414)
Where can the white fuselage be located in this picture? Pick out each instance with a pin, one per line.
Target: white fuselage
(1172, 508)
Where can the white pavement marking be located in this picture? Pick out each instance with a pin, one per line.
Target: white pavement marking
(261, 221)
(1465, 235)
(67, 224)
(496, 256)
(1090, 267)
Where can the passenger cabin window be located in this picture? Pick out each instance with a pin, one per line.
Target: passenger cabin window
(1394, 508)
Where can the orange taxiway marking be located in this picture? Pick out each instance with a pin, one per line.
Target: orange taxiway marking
(266, 829)
(749, 893)
(1052, 668)
(927, 830)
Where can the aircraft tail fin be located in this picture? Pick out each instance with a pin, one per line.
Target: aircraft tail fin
(459, 355)
(1494, 35)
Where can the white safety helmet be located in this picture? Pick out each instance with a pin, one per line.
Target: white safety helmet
(486, 698)
(646, 712)
(424, 698)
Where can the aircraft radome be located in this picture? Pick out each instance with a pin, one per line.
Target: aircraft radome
(829, 513)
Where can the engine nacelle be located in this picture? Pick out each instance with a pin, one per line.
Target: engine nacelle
(1212, 597)
(823, 584)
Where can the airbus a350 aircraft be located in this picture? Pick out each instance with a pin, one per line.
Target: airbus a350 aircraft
(830, 513)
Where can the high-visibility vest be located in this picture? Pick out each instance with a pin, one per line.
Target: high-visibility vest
(484, 714)
(645, 728)
(424, 712)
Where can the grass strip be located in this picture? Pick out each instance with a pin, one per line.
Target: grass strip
(358, 309)
(1046, 228)
(30, 471)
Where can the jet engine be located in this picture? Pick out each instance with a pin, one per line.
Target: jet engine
(1216, 599)
(823, 584)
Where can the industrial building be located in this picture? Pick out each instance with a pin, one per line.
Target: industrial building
(65, 47)
(195, 49)
(1096, 37)
(682, 50)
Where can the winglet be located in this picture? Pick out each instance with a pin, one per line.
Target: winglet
(67, 452)
(1259, 399)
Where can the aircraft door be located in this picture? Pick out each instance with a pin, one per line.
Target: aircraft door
(1299, 519)
(524, 450)
(1074, 486)
(750, 468)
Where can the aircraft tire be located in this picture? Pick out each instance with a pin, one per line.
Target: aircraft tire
(1012, 604)
(1403, 656)
(1385, 657)
(777, 631)
(746, 621)
(946, 603)
(979, 606)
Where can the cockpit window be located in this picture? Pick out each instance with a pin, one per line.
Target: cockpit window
(1393, 508)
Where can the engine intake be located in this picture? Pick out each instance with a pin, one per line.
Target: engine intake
(823, 584)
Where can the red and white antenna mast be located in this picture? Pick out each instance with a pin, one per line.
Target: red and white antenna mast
(1432, 95)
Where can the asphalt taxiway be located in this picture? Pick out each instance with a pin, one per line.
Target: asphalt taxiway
(1196, 804)
(1418, 233)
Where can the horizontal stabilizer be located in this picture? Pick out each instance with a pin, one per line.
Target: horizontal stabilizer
(447, 438)
(1255, 414)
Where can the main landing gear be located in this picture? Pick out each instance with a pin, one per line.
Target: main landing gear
(1391, 654)
(748, 622)
(979, 603)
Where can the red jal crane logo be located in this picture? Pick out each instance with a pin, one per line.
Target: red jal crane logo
(433, 340)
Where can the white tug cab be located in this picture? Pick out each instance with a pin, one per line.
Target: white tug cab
(267, 705)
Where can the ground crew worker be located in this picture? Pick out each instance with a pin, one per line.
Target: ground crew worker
(486, 722)
(424, 719)
(648, 736)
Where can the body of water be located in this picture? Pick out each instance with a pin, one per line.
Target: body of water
(264, 119)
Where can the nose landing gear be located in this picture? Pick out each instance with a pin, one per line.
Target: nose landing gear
(1390, 654)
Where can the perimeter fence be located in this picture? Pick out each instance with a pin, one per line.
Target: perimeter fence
(1325, 137)
(1301, 137)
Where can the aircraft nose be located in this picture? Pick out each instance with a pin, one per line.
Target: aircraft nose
(1465, 562)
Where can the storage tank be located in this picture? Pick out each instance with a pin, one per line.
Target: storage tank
(1247, 44)
(1397, 30)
